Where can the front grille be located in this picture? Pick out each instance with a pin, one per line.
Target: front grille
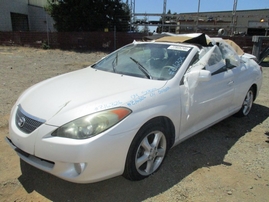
(26, 122)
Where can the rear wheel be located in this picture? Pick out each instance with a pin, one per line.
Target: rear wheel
(247, 104)
(147, 151)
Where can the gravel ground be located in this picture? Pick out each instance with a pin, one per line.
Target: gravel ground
(227, 162)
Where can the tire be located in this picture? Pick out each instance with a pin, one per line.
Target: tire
(247, 104)
(147, 151)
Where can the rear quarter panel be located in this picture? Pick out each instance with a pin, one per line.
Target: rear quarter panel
(247, 75)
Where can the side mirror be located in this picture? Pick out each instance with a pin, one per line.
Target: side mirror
(192, 78)
(204, 75)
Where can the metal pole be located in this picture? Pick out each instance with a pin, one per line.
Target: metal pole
(197, 18)
(233, 17)
(164, 12)
(47, 23)
(48, 38)
(132, 12)
(115, 37)
(267, 27)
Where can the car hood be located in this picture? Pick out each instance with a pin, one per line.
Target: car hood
(75, 94)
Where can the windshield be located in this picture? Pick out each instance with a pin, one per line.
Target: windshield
(146, 60)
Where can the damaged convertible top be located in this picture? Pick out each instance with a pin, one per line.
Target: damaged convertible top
(194, 38)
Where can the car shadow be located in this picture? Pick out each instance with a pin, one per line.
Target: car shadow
(206, 149)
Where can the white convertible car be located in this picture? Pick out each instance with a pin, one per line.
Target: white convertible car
(121, 115)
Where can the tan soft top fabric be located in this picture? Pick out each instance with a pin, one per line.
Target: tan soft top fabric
(182, 39)
(173, 39)
(188, 38)
(235, 46)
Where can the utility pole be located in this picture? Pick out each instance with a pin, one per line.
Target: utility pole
(233, 18)
(197, 18)
(132, 12)
(164, 12)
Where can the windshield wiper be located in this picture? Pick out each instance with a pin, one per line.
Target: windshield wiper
(115, 62)
(142, 68)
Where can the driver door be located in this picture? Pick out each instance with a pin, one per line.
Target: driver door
(208, 101)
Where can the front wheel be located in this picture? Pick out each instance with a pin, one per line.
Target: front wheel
(247, 104)
(147, 151)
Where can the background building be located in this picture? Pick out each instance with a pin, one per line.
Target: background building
(250, 22)
(25, 15)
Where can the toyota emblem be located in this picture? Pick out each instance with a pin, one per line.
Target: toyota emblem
(21, 122)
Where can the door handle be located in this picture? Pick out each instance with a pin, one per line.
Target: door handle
(230, 83)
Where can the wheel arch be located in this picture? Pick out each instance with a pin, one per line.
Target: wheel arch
(254, 87)
(130, 171)
(242, 111)
(169, 126)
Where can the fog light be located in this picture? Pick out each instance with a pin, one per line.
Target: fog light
(79, 167)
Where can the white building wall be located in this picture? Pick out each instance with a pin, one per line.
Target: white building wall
(39, 20)
(40, 3)
(8, 6)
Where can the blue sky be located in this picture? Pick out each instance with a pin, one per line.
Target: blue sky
(185, 6)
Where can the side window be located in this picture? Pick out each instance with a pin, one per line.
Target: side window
(216, 63)
(215, 57)
(210, 58)
(194, 60)
(229, 54)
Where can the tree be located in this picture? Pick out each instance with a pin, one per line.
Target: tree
(145, 29)
(89, 15)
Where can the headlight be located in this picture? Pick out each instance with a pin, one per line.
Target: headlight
(91, 125)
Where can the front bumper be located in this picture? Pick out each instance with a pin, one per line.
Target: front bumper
(79, 161)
